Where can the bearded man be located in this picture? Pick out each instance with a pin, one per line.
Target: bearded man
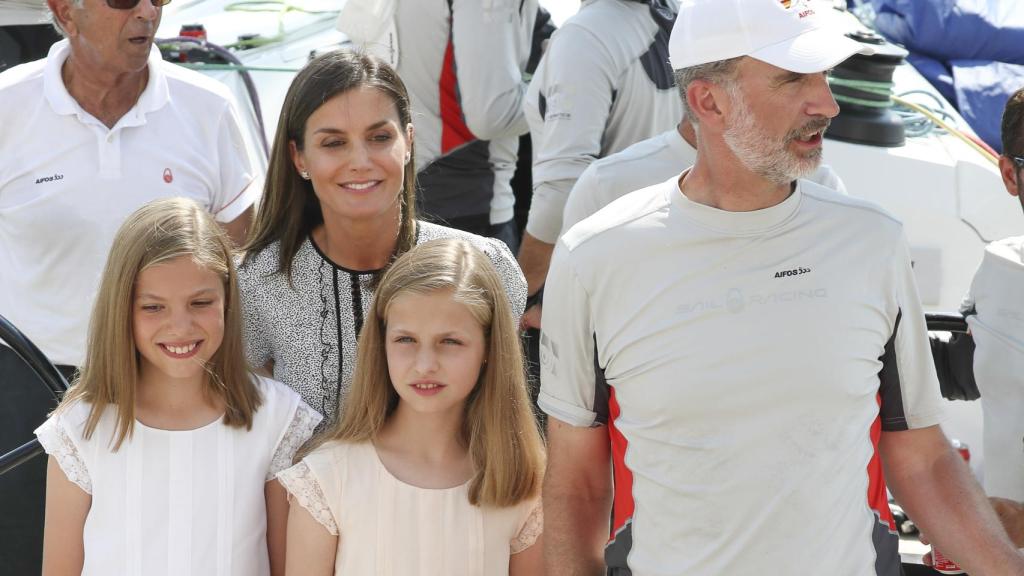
(743, 351)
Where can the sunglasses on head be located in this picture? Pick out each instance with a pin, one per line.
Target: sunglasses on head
(129, 4)
(1018, 161)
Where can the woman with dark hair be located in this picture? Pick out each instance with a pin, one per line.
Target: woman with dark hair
(338, 207)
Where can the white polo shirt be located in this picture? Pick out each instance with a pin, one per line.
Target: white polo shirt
(641, 165)
(995, 309)
(745, 364)
(67, 182)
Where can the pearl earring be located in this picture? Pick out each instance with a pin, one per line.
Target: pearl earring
(304, 174)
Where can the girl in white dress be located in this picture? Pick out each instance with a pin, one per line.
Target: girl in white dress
(163, 453)
(435, 465)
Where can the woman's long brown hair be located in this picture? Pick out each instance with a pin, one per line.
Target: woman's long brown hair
(289, 210)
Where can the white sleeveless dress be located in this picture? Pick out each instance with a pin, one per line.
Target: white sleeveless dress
(176, 503)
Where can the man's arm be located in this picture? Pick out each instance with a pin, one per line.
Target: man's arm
(934, 486)
(535, 258)
(574, 92)
(490, 44)
(577, 499)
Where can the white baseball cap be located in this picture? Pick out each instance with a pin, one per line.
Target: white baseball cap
(789, 34)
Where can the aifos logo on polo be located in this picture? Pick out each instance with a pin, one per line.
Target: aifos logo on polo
(800, 5)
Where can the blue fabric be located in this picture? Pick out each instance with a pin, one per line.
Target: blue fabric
(972, 51)
(982, 89)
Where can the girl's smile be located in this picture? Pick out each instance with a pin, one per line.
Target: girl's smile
(177, 318)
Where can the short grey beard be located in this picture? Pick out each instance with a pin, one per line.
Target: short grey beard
(762, 153)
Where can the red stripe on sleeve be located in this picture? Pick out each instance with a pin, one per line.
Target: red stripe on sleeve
(454, 132)
(878, 500)
(622, 509)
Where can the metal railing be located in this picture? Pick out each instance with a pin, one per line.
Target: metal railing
(48, 375)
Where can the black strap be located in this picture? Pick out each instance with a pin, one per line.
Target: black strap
(656, 60)
(535, 298)
(663, 14)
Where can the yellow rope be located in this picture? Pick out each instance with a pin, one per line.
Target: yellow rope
(921, 109)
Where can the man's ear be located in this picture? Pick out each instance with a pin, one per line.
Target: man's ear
(708, 102)
(1009, 171)
(62, 10)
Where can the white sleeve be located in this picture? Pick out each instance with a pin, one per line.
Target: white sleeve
(908, 386)
(238, 188)
(572, 388)
(578, 79)
(55, 439)
(584, 199)
(303, 487)
(486, 42)
(299, 430)
(532, 528)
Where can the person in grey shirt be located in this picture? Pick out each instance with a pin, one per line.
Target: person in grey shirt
(603, 84)
(464, 64)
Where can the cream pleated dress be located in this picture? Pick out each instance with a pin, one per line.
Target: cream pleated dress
(389, 528)
(184, 502)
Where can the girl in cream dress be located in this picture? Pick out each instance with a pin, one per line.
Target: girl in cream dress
(435, 465)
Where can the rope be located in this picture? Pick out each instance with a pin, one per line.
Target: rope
(918, 119)
(939, 122)
(279, 7)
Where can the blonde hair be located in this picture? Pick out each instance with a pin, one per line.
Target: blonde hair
(158, 232)
(498, 427)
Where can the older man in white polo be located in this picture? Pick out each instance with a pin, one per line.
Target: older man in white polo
(730, 359)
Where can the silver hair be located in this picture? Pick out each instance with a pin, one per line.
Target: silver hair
(53, 19)
(719, 71)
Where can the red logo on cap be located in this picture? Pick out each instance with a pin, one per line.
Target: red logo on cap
(787, 4)
(168, 177)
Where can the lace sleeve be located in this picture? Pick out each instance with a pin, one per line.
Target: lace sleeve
(299, 430)
(303, 488)
(58, 443)
(532, 528)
